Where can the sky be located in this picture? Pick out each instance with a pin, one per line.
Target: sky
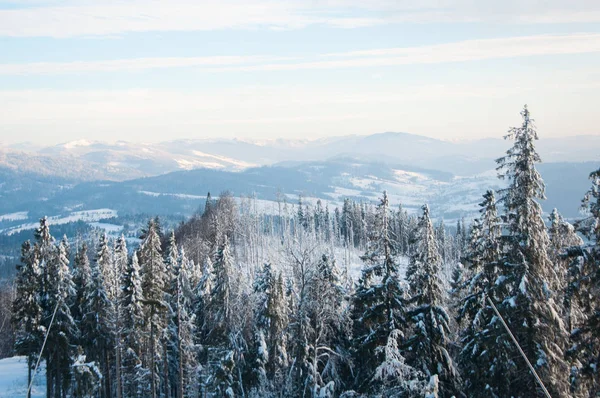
(152, 71)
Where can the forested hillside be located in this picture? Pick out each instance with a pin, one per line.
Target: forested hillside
(360, 300)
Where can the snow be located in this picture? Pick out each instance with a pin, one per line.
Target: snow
(176, 195)
(13, 379)
(22, 215)
(83, 215)
(109, 228)
(78, 143)
(239, 163)
(197, 164)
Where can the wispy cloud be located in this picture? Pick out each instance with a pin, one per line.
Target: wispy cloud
(470, 50)
(133, 64)
(92, 18)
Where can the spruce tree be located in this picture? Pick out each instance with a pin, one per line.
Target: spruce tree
(330, 326)
(379, 302)
(27, 310)
(182, 327)
(154, 280)
(527, 301)
(97, 326)
(62, 332)
(119, 264)
(428, 342)
(583, 296)
(219, 314)
(132, 329)
(482, 358)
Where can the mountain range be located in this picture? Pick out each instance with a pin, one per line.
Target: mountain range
(88, 161)
(90, 180)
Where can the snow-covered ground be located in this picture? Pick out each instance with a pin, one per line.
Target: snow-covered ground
(84, 215)
(110, 229)
(22, 215)
(13, 379)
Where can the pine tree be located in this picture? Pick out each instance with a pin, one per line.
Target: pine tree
(379, 302)
(583, 298)
(27, 310)
(119, 264)
(132, 328)
(62, 332)
(259, 355)
(154, 280)
(97, 326)
(182, 327)
(482, 358)
(428, 344)
(528, 302)
(219, 322)
(328, 335)
(201, 304)
(276, 313)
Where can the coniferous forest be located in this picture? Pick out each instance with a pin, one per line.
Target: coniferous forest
(239, 303)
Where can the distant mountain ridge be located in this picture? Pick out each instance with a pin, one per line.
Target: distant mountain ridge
(94, 160)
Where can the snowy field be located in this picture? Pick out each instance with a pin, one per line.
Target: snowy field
(84, 215)
(13, 379)
(22, 215)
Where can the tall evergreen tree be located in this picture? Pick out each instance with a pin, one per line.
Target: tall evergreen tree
(182, 328)
(219, 322)
(528, 302)
(482, 358)
(583, 296)
(120, 262)
(97, 326)
(428, 343)
(132, 329)
(379, 302)
(154, 280)
(62, 331)
(27, 310)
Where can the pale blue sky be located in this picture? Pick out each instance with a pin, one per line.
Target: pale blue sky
(161, 70)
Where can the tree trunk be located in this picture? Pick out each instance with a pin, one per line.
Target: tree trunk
(29, 362)
(107, 382)
(179, 349)
(152, 356)
(118, 367)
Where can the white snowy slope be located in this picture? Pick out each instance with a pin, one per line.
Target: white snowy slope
(89, 216)
(13, 379)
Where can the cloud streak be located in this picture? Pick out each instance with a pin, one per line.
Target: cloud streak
(87, 18)
(464, 51)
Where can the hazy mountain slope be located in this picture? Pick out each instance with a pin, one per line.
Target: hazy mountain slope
(181, 193)
(122, 160)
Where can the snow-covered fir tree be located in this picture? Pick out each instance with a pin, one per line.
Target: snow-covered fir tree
(526, 299)
(181, 328)
(27, 309)
(583, 299)
(482, 358)
(132, 328)
(379, 303)
(62, 331)
(154, 283)
(428, 341)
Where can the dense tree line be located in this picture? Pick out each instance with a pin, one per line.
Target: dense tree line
(235, 302)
